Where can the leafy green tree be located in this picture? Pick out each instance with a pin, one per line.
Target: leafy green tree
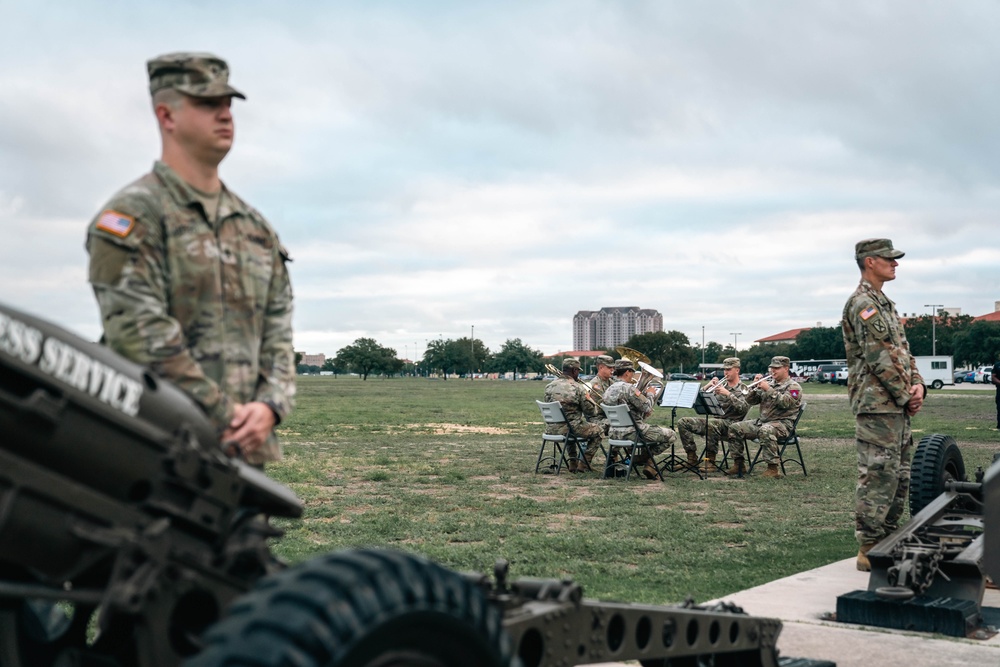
(469, 355)
(819, 343)
(669, 350)
(925, 339)
(516, 356)
(365, 356)
(715, 353)
(979, 344)
(334, 365)
(298, 358)
(757, 358)
(441, 355)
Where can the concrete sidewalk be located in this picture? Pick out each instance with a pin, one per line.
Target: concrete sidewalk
(801, 601)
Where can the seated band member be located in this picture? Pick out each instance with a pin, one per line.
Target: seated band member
(779, 401)
(731, 394)
(640, 406)
(576, 406)
(598, 385)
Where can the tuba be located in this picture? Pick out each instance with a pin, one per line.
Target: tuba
(646, 376)
(592, 391)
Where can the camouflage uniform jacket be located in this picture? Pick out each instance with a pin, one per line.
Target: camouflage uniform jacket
(735, 403)
(573, 399)
(207, 306)
(780, 403)
(600, 385)
(880, 368)
(639, 405)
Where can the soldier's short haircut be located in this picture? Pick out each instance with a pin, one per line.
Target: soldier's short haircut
(861, 263)
(171, 97)
(622, 371)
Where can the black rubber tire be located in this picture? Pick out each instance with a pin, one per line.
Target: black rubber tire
(936, 460)
(937, 384)
(360, 608)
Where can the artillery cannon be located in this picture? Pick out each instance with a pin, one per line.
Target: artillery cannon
(128, 539)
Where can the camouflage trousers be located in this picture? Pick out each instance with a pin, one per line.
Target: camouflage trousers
(588, 431)
(766, 434)
(885, 446)
(658, 437)
(717, 429)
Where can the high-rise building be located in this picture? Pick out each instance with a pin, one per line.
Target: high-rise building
(612, 326)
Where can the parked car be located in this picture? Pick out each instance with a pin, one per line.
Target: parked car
(984, 373)
(827, 372)
(841, 375)
(959, 376)
(970, 376)
(682, 376)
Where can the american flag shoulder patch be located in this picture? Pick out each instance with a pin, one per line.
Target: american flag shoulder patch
(868, 312)
(115, 223)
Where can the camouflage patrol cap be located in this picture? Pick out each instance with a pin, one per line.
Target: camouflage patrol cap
(194, 74)
(777, 362)
(876, 248)
(624, 365)
(731, 362)
(605, 360)
(570, 364)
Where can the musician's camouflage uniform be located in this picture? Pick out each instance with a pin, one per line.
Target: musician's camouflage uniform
(735, 405)
(779, 405)
(576, 406)
(598, 386)
(880, 381)
(640, 407)
(204, 301)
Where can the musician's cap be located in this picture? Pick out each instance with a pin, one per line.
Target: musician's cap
(194, 74)
(570, 363)
(624, 365)
(876, 248)
(605, 360)
(777, 362)
(731, 362)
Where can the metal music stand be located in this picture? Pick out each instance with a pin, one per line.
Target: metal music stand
(679, 395)
(708, 405)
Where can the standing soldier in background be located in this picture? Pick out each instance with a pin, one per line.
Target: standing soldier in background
(576, 404)
(189, 279)
(731, 396)
(885, 390)
(640, 406)
(779, 401)
(598, 385)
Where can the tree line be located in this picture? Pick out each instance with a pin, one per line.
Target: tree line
(969, 342)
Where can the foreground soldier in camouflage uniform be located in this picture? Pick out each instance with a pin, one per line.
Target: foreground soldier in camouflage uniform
(731, 396)
(779, 404)
(576, 406)
(640, 406)
(190, 280)
(885, 390)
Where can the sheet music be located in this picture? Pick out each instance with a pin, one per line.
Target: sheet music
(680, 394)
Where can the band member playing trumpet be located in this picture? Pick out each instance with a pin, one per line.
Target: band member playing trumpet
(640, 406)
(598, 385)
(731, 394)
(576, 406)
(779, 399)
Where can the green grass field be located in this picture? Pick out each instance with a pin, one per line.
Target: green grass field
(445, 469)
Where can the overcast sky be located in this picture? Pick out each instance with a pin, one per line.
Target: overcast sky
(434, 166)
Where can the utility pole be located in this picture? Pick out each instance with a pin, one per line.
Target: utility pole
(472, 349)
(933, 307)
(735, 335)
(702, 347)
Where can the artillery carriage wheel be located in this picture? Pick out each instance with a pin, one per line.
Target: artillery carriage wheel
(360, 608)
(936, 460)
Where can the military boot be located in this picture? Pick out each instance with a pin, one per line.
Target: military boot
(709, 465)
(864, 565)
(649, 470)
(773, 471)
(738, 465)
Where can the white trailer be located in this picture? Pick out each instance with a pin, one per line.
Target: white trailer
(936, 371)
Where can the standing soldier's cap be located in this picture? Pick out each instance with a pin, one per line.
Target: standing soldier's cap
(731, 362)
(876, 248)
(624, 365)
(777, 362)
(194, 74)
(605, 360)
(569, 364)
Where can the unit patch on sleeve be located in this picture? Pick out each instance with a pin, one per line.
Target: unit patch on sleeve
(115, 223)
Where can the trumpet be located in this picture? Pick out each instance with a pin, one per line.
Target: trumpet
(596, 394)
(713, 385)
(767, 378)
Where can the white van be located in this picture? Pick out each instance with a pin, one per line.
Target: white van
(936, 371)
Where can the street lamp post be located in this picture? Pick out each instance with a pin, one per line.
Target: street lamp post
(472, 350)
(933, 307)
(735, 335)
(703, 347)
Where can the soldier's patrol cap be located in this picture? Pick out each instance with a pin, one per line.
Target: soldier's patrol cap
(731, 362)
(605, 360)
(570, 364)
(876, 248)
(777, 362)
(624, 365)
(194, 74)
